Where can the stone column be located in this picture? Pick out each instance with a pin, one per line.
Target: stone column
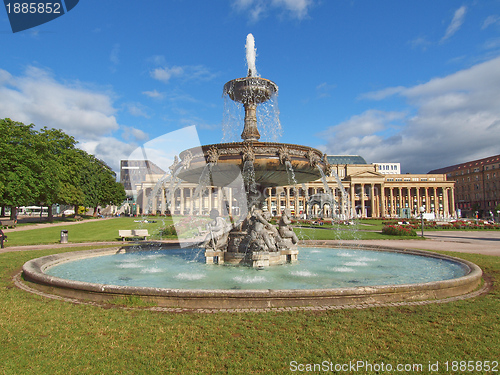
(353, 198)
(362, 197)
(391, 197)
(182, 200)
(436, 202)
(374, 209)
(417, 194)
(446, 212)
(163, 201)
(452, 202)
(382, 201)
(427, 204)
(400, 200)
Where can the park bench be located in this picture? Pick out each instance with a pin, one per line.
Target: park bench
(127, 233)
(8, 223)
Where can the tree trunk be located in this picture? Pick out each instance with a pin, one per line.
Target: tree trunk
(50, 214)
(13, 213)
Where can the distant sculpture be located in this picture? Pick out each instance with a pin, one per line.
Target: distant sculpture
(285, 230)
(258, 237)
(217, 238)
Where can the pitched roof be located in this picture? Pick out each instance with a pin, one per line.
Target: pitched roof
(345, 159)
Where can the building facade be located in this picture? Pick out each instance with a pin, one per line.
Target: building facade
(351, 187)
(477, 186)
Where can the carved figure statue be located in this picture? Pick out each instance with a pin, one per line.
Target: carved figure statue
(217, 238)
(285, 230)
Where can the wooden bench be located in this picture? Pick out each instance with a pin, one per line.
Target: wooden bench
(128, 233)
(8, 223)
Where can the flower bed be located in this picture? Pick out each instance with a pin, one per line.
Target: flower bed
(399, 230)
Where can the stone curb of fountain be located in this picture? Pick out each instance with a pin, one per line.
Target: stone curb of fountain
(486, 287)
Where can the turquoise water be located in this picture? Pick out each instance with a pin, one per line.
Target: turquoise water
(316, 268)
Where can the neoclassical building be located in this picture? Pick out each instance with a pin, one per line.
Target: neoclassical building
(355, 188)
(477, 186)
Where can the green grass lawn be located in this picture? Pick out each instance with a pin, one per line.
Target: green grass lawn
(86, 231)
(107, 230)
(44, 336)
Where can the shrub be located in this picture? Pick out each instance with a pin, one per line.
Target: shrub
(169, 230)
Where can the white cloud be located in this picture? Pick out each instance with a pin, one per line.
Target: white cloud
(323, 89)
(257, 9)
(456, 22)
(36, 97)
(382, 94)
(490, 20)
(456, 118)
(187, 72)
(137, 110)
(164, 74)
(131, 133)
(154, 94)
(109, 149)
(84, 113)
(114, 55)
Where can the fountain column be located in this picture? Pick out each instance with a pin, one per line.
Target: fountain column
(250, 131)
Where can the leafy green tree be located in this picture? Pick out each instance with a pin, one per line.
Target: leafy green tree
(18, 180)
(44, 167)
(99, 184)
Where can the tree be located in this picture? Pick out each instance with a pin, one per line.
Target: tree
(18, 179)
(99, 184)
(45, 167)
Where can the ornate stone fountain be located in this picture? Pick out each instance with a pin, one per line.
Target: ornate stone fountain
(252, 240)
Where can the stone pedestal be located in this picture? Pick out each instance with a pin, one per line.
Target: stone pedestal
(214, 257)
(290, 255)
(260, 259)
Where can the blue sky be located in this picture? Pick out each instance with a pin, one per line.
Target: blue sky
(394, 81)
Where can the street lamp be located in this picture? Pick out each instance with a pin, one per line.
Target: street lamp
(422, 210)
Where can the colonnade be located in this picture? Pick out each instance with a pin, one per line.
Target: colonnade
(379, 198)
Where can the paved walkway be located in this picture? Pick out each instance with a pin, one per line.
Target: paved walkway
(474, 242)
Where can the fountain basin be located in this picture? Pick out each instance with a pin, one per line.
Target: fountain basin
(248, 90)
(34, 271)
(268, 162)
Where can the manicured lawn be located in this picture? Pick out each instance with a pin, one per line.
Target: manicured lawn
(86, 231)
(107, 230)
(43, 336)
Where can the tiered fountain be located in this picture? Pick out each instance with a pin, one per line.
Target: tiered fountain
(171, 276)
(253, 240)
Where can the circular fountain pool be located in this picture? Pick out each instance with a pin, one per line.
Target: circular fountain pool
(178, 277)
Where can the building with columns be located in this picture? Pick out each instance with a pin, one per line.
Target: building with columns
(351, 187)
